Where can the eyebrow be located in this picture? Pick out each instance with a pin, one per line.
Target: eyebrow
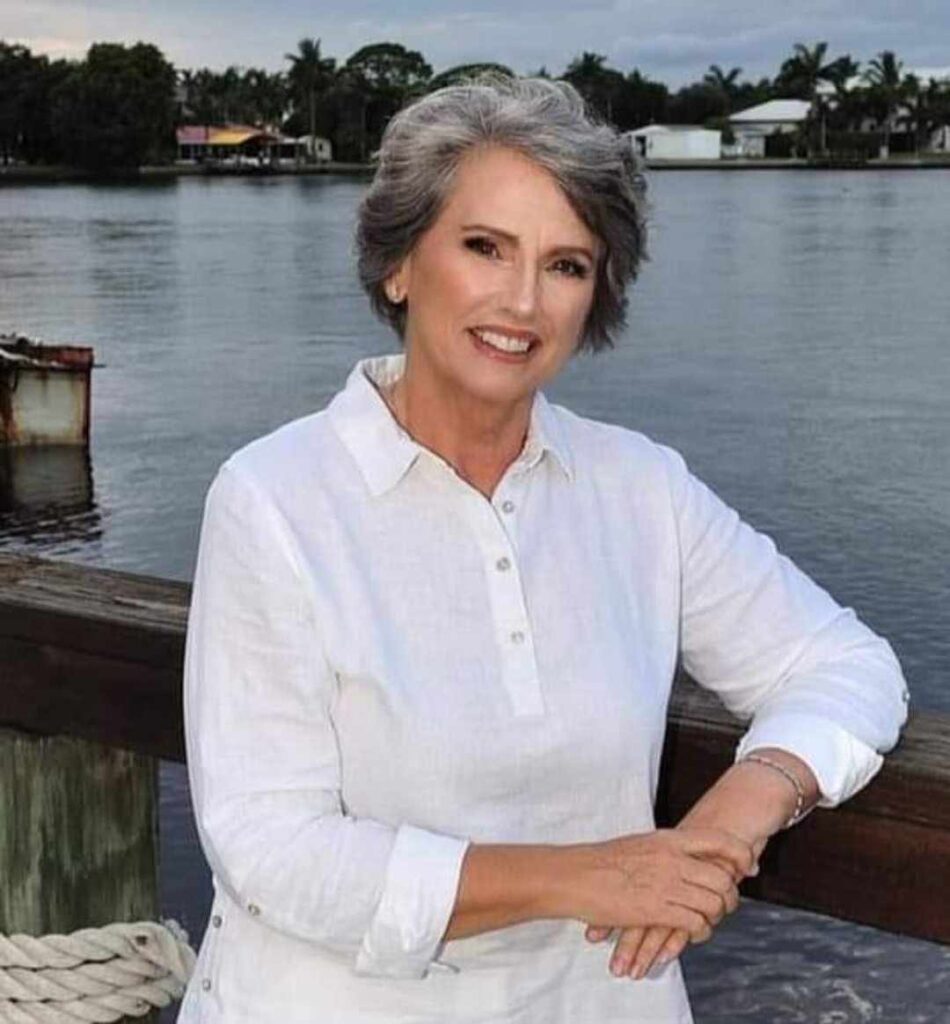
(513, 239)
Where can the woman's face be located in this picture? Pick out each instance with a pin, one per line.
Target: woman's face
(499, 288)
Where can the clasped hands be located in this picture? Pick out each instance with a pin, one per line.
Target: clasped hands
(673, 886)
(691, 874)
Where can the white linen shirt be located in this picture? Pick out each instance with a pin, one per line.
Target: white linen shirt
(383, 666)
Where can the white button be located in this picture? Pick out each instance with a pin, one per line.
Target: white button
(502, 565)
(905, 696)
(216, 921)
(508, 506)
(206, 984)
(253, 909)
(517, 637)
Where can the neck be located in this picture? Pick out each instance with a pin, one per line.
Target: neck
(479, 440)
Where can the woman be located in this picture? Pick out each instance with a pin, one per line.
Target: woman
(434, 629)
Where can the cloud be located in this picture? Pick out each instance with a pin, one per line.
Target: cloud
(55, 47)
(673, 40)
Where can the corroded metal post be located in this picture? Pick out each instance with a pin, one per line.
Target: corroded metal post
(44, 392)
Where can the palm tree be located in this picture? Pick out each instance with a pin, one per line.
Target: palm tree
(264, 97)
(185, 93)
(802, 73)
(725, 83)
(594, 81)
(915, 112)
(225, 93)
(310, 74)
(885, 76)
(201, 97)
(799, 74)
(933, 108)
(839, 73)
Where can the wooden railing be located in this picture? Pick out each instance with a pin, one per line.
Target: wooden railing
(96, 654)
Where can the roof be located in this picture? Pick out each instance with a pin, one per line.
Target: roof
(220, 135)
(232, 136)
(776, 111)
(669, 129)
(191, 134)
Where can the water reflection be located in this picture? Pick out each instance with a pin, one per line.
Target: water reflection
(46, 496)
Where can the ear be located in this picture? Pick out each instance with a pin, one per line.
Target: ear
(396, 285)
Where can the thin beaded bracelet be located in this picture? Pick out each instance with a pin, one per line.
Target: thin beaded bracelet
(799, 811)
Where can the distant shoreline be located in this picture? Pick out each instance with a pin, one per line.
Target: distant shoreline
(23, 174)
(931, 161)
(27, 174)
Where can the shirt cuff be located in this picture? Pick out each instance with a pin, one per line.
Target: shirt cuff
(419, 892)
(841, 763)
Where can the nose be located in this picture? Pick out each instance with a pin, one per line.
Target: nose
(524, 286)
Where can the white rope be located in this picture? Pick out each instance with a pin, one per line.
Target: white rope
(95, 975)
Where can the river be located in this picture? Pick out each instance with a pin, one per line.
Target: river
(789, 336)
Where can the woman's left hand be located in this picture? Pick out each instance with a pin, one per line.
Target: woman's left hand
(752, 802)
(638, 949)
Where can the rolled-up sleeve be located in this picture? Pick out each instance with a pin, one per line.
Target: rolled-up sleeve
(778, 650)
(264, 762)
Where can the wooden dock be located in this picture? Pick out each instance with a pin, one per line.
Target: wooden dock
(97, 655)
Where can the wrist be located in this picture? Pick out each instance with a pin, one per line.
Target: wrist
(796, 810)
(561, 878)
(517, 882)
(749, 800)
(798, 776)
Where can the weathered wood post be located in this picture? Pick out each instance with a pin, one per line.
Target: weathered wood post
(79, 835)
(78, 796)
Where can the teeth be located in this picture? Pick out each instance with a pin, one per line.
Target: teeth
(503, 342)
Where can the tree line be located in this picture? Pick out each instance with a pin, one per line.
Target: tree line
(118, 107)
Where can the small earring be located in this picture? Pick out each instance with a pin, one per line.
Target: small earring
(394, 295)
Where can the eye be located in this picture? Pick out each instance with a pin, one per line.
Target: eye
(482, 245)
(571, 268)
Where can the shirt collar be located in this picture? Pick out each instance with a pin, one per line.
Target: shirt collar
(384, 452)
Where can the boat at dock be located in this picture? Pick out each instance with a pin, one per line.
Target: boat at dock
(44, 392)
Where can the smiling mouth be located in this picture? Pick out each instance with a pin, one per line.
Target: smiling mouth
(503, 343)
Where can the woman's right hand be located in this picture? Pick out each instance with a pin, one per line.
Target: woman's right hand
(667, 877)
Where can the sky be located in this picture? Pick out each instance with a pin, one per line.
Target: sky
(673, 41)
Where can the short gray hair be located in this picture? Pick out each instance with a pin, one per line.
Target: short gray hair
(545, 120)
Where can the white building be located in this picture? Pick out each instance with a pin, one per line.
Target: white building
(315, 147)
(677, 142)
(939, 141)
(753, 125)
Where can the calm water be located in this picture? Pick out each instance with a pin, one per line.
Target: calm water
(789, 336)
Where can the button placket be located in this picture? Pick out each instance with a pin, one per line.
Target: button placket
(509, 612)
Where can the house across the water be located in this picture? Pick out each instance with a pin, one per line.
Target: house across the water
(676, 142)
(244, 145)
(753, 127)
